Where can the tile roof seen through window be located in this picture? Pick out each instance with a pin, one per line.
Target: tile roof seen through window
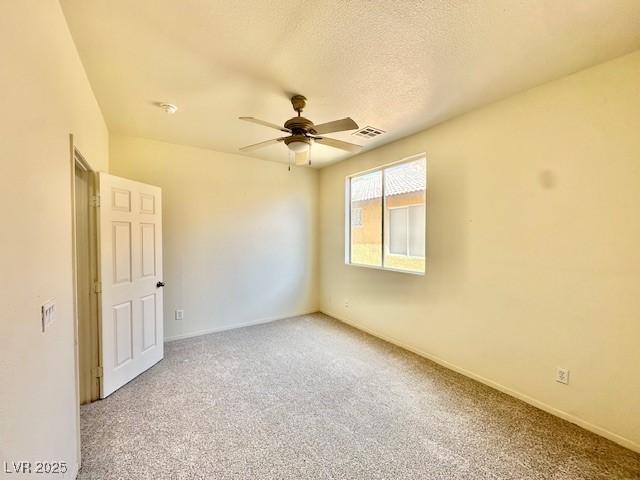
(398, 179)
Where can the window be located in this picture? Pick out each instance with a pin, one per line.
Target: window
(387, 217)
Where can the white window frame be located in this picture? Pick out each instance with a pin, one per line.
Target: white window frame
(347, 222)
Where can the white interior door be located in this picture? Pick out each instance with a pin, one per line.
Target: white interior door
(131, 336)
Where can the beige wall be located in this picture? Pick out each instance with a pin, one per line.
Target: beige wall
(45, 97)
(533, 248)
(240, 234)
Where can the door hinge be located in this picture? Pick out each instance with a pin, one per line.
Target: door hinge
(97, 287)
(98, 372)
(95, 200)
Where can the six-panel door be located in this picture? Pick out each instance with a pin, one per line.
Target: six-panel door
(130, 268)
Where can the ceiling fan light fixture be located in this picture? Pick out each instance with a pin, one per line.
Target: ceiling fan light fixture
(298, 146)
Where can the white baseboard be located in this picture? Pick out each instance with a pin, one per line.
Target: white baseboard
(614, 437)
(224, 328)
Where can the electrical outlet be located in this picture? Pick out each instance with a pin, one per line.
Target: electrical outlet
(48, 313)
(562, 375)
(179, 314)
(346, 303)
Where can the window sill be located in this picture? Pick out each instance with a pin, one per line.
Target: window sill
(386, 269)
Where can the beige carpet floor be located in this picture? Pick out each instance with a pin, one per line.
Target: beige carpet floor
(311, 398)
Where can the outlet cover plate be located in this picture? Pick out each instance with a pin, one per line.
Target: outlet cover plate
(48, 313)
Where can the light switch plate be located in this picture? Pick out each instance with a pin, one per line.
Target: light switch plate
(48, 313)
(179, 314)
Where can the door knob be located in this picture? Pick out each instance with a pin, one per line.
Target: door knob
(159, 284)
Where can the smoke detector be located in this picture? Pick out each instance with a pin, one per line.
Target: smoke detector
(168, 108)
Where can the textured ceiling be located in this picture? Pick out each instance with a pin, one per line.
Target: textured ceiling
(400, 66)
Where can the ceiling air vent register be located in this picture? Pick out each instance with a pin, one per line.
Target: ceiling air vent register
(368, 132)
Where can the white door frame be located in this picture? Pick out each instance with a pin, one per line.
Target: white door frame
(78, 160)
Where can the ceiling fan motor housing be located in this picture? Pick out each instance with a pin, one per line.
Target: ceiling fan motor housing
(299, 125)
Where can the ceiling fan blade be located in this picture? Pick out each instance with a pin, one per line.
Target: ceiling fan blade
(302, 158)
(332, 142)
(255, 146)
(336, 126)
(266, 124)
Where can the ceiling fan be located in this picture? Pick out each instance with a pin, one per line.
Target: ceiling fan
(303, 133)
